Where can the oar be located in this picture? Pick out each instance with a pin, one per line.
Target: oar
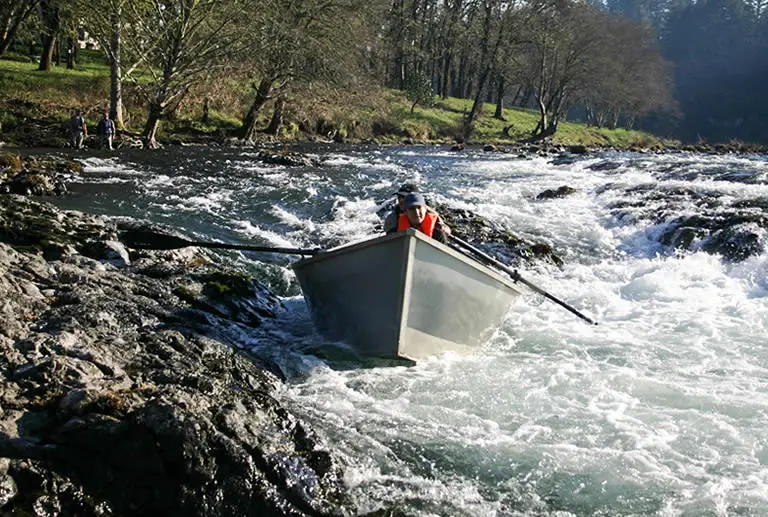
(146, 239)
(517, 278)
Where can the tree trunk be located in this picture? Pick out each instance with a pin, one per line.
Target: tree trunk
(543, 116)
(262, 96)
(115, 74)
(477, 104)
(446, 76)
(149, 136)
(70, 54)
(46, 57)
(499, 114)
(206, 110)
(277, 117)
(50, 16)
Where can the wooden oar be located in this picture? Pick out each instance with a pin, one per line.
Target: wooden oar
(147, 239)
(517, 278)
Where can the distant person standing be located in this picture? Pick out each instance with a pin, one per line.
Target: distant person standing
(105, 130)
(78, 130)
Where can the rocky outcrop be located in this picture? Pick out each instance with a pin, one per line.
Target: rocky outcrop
(118, 395)
(494, 239)
(287, 159)
(733, 230)
(36, 176)
(559, 192)
(491, 237)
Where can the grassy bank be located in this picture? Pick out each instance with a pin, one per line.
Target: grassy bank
(43, 100)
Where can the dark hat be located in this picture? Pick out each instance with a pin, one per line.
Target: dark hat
(407, 188)
(414, 199)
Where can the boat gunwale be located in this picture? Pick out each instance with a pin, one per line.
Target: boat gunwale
(410, 232)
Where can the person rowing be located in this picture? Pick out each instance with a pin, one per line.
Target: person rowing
(418, 216)
(393, 217)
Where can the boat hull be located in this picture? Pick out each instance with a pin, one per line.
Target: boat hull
(404, 295)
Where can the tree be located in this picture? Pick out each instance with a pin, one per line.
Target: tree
(628, 77)
(312, 40)
(106, 23)
(419, 90)
(561, 40)
(180, 42)
(50, 18)
(12, 14)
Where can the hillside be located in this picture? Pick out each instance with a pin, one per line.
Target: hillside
(35, 106)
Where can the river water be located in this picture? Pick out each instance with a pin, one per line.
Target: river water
(660, 410)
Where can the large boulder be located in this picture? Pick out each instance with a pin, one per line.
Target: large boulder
(120, 395)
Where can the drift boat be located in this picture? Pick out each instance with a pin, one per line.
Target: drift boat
(404, 295)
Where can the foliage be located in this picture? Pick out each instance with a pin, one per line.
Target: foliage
(419, 90)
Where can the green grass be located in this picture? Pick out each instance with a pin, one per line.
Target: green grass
(444, 119)
(51, 96)
(55, 93)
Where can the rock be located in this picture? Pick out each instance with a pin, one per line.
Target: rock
(718, 226)
(490, 148)
(494, 239)
(111, 251)
(604, 166)
(559, 192)
(287, 159)
(457, 147)
(578, 149)
(8, 490)
(34, 183)
(115, 398)
(10, 162)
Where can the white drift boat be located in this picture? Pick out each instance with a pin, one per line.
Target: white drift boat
(404, 295)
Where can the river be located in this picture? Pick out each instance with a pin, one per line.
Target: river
(660, 410)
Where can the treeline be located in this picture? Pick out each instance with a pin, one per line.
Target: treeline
(553, 55)
(558, 56)
(720, 53)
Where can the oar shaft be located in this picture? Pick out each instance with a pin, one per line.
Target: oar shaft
(244, 247)
(517, 278)
(147, 239)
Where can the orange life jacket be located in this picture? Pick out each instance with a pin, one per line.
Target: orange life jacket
(427, 225)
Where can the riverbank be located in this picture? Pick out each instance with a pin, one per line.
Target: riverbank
(35, 108)
(117, 396)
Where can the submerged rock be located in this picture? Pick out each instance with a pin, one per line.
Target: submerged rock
(734, 230)
(287, 159)
(119, 397)
(494, 239)
(563, 191)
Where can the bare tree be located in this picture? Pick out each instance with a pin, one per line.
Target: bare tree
(628, 77)
(106, 23)
(312, 40)
(180, 42)
(561, 40)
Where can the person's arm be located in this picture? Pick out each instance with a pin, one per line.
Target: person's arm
(444, 228)
(441, 232)
(390, 222)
